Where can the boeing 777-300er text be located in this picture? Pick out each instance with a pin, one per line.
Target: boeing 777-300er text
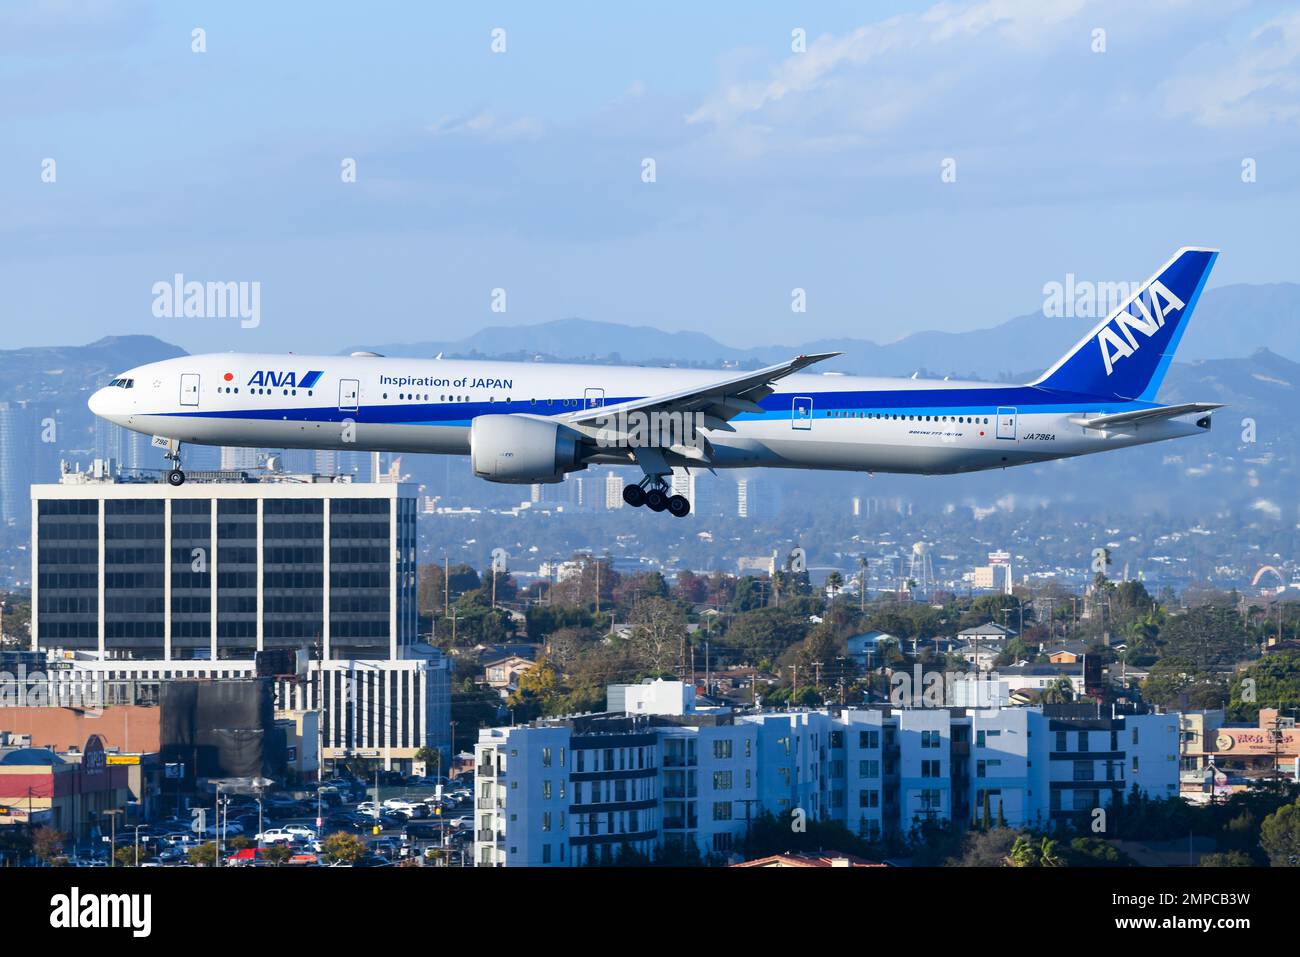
(532, 422)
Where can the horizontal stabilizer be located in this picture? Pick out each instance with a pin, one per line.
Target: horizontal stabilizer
(1122, 419)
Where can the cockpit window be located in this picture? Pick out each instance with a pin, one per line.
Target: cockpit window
(122, 384)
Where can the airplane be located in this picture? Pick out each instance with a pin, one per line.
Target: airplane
(527, 423)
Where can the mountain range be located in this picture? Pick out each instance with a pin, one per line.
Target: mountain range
(1230, 322)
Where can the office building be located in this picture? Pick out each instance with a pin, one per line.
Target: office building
(222, 570)
(662, 774)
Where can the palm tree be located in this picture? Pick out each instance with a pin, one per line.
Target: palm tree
(1060, 691)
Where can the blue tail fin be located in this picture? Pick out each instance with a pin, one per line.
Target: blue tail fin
(1127, 355)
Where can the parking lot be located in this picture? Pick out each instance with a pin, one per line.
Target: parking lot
(413, 822)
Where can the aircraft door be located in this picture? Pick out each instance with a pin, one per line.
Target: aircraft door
(1006, 423)
(593, 398)
(801, 412)
(349, 390)
(189, 388)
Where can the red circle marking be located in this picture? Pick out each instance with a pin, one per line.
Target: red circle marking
(229, 376)
(981, 432)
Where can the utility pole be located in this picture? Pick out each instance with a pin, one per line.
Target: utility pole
(446, 586)
(817, 681)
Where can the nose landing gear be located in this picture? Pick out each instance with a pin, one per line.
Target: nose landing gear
(656, 497)
(175, 477)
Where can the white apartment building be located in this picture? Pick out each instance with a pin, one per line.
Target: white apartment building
(574, 790)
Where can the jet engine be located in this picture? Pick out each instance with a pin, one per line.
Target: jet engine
(520, 450)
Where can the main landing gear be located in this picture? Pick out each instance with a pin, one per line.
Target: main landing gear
(656, 497)
(175, 477)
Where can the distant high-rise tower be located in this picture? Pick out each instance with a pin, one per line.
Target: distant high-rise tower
(857, 507)
(742, 498)
(613, 490)
(684, 485)
(238, 460)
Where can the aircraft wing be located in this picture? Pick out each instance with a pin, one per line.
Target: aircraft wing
(719, 401)
(1122, 419)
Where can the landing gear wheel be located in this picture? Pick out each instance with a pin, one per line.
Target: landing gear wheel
(656, 500)
(679, 506)
(634, 495)
(175, 477)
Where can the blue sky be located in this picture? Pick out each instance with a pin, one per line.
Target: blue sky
(522, 170)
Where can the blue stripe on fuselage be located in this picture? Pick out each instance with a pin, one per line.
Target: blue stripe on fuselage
(976, 401)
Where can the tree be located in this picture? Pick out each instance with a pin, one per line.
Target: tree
(125, 856)
(989, 848)
(659, 628)
(1227, 859)
(1028, 851)
(204, 855)
(276, 854)
(1277, 685)
(1279, 836)
(343, 848)
(539, 689)
(47, 844)
(1058, 691)
(432, 760)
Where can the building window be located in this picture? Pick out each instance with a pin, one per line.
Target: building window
(546, 757)
(722, 780)
(546, 790)
(722, 810)
(869, 769)
(929, 769)
(868, 739)
(722, 749)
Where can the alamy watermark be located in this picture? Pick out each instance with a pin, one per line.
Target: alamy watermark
(651, 430)
(1084, 299)
(179, 299)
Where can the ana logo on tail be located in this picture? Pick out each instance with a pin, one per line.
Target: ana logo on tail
(1116, 338)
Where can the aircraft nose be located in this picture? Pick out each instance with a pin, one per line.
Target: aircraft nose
(100, 402)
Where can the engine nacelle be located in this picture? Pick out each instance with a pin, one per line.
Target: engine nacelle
(519, 450)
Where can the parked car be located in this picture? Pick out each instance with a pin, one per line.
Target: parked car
(275, 835)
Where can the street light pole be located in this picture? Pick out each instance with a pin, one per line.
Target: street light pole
(112, 832)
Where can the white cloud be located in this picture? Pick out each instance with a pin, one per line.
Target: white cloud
(1258, 84)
